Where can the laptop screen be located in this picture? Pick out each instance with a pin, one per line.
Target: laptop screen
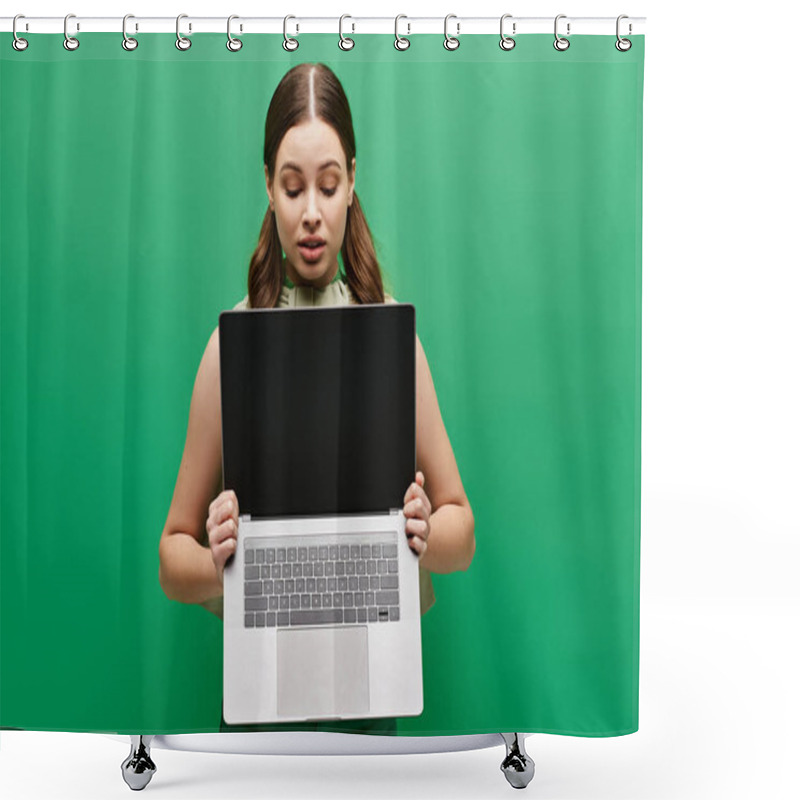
(318, 408)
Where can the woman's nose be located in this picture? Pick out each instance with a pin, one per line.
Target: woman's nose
(311, 213)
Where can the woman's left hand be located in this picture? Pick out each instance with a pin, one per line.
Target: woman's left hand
(417, 510)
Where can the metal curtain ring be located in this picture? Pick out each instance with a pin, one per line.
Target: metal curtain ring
(400, 42)
(128, 42)
(344, 42)
(233, 44)
(623, 45)
(182, 43)
(18, 44)
(70, 42)
(560, 43)
(451, 42)
(289, 43)
(506, 42)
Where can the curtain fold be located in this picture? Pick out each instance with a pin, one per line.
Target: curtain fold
(503, 190)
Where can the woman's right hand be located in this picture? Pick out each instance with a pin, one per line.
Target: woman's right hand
(222, 526)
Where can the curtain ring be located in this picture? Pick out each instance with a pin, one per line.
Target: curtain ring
(128, 42)
(182, 43)
(70, 42)
(560, 43)
(233, 44)
(506, 42)
(451, 42)
(400, 42)
(345, 43)
(18, 44)
(623, 45)
(289, 43)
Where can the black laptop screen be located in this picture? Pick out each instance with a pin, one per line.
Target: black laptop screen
(318, 408)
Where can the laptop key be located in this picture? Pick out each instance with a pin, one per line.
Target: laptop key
(320, 616)
(393, 566)
(363, 583)
(376, 551)
(273, 603)
(249, 620)
(316, 601)
(260, 556)
(352, 583)
(308, 569)
(271, 620)
(372, 566)
(350, 568)
(294, 601)
(348, 599)
(305, 601)
(261, 619)
(284, 602)
(280, 556)
(327, 601)
(349, 615)
(323, 553)
(283, 618)
(249, 556)
(271, 555)
(252, 573)
(291, 554)
(383, 567)
(337, 599)
(383, 615)
(297, 570)
(394, 613)
(362, 614)
(372, 614)
(312, 553)
(255, 604)
(390, 551)
(317, 569)
(302, 554)
(389, 582)
(361, 567)
(252, 588)
(387, 598)
(340, 567)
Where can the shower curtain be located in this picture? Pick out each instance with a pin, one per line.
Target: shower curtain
(503, 191)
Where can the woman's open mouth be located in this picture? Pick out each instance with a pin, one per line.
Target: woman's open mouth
(311, 250)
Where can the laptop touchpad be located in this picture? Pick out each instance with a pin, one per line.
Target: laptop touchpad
(322, 672)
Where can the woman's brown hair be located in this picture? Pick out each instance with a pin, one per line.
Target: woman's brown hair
(291, 105)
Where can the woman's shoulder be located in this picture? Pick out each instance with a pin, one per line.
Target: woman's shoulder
(242, 304)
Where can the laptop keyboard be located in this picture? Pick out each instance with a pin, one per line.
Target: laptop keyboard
(288, 584)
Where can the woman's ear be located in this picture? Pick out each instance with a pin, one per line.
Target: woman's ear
(269, 186)
(352, 188)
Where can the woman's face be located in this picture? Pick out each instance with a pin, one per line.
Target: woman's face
(310, 194)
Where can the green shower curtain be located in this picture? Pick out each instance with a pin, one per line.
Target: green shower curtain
(503, 190)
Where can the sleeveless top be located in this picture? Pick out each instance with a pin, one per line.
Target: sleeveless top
(337, 293)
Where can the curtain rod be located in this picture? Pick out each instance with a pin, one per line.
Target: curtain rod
(407, 25)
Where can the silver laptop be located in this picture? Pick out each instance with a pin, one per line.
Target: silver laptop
(321, 607)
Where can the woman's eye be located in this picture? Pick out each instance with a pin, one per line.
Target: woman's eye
(329, 192)
(293, 193)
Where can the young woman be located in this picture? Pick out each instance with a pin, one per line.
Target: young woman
(312, 217)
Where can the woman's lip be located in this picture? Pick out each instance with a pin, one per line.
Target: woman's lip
(311, 254)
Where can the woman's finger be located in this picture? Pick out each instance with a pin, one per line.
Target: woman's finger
(222, 532)
(417, 526)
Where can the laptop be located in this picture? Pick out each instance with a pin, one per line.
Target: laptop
(321, 604)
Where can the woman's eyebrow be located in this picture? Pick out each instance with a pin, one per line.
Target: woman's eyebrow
(297, 168)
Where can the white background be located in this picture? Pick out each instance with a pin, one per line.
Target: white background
(720, 441)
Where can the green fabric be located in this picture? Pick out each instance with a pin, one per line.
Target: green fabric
(503, 190)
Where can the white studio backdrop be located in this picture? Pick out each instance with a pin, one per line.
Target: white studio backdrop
(720, 437)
